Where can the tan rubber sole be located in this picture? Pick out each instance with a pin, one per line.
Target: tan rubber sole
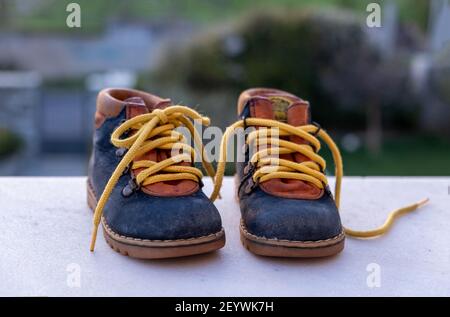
(156, 249)
(288, 248)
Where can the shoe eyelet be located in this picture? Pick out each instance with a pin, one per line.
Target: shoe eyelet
(120, 152)
(318, 126)
(127, 191)
(119, 124)
(249, 169)
(126, 170)
(130, 188)
(250, 186)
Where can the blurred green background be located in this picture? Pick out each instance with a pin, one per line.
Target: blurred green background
(48, 15)
(383, 93)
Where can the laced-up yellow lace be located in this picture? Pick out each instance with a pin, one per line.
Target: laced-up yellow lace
(151, 131)
(269, 167)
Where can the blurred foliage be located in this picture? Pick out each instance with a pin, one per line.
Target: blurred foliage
(322, 56)
(10, 143)
(50, 15)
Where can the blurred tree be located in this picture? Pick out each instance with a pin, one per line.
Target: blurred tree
(437, 94)
(441, 76)
(10, 143)
(368, 80)
(5, 8)
(324, 57)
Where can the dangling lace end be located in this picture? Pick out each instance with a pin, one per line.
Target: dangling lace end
(94, 237)
(213, 197)
(388, 223)
(423, 202)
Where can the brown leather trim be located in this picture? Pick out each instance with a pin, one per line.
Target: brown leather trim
(180, 189)
(270, 187)
(136, 105)
(298, 114)
(256, 111)
(99, 119)
(110, 102)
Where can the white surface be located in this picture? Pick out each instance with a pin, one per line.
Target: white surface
(45, 228)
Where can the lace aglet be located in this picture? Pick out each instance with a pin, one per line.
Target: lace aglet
(93, 238)
(423, 202)
(205, 121)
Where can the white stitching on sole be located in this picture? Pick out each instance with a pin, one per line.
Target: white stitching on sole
(116, 235)
(274, 240)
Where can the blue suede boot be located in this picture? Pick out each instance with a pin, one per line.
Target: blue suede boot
(148, 200)
(287, 208)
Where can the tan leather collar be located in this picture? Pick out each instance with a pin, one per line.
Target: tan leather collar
(111, 101)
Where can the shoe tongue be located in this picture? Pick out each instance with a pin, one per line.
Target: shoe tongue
(135, 106)
(295, 112)
(284, 109)
(280, 108)
(164, 103)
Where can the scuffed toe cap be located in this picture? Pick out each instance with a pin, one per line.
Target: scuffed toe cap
(273, 217)
(162, 218)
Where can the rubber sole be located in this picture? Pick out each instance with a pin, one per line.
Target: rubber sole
(289, 248)
(156, 249)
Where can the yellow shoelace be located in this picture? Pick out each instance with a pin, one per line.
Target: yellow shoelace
(269, 167)
(155, 130)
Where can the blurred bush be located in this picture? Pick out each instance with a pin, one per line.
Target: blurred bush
(10, 143)
(440, 74)
(323, 56)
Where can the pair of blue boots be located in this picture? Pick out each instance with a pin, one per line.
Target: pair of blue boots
(147, 194)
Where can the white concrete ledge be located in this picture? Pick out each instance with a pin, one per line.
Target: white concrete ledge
(45, 228)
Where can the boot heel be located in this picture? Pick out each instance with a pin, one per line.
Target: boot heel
(91, 200)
